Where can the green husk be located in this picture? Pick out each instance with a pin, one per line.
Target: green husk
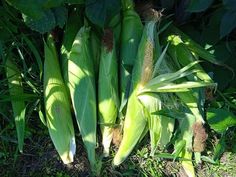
(152, 103)
(96, 51)
(57, 105)
(186, 133)
(129, 46)
(108, 90)
(179, 51)
(18, 106)
(192, 45)
(83, 92)
(135, 119)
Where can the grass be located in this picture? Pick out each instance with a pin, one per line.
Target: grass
(41, 159)
(226, 168)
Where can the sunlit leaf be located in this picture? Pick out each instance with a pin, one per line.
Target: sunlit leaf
(220, 119)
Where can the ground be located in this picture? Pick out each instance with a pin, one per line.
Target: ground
(41, 159)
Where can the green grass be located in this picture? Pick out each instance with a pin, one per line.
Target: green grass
(41, 159)
(226, 168)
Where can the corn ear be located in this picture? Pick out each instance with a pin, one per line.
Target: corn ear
(57, 105)
(187, 163)
(186, 133)
(192, 103)
(177, 49)
(193, 98)
(82, 91)
(180, 53)
(108, 89)
(18, 106)
(187, 95)
(135, 119)
(192, 45)
(129, 46)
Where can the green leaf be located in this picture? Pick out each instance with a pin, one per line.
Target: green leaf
(167, 4)
(4, 32)
(13, 75)
(208, 159)
(211, 32)
(30, 8)
(220, 119)
(220, 148)
(230, 4)
(169, 77)
(166, 155)
(224, 51)
(228, 23)
(170, 114)
(36, 9)
(199, 5)
(52, 3)
(35, 52)
(159, 61)
(97, 16)
(194, 46)
(75, 1)
(42, 25)
(42, 118)
(60, 14)
(100, 12)
(179, 147)
(172, 87)
(50, 19)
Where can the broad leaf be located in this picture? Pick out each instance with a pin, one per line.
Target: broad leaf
(199, 5)
(60, 14)
(52, 3)
(42, 25)
(100, 12)
(167, 4)
(220, 119)
(230, 4)
(97, 16)
(228, 23)
(75, 1)
(51, 18)
(30, 8)
(211, 32)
